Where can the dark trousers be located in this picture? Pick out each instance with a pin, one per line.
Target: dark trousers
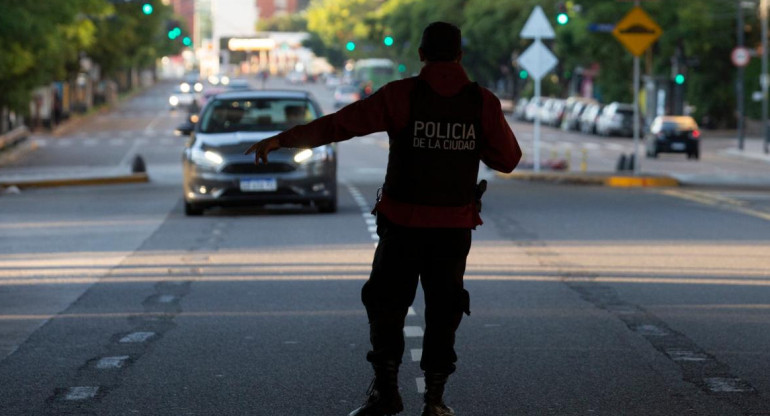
(435, 257)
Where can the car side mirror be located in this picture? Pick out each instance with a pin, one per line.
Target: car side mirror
(185, 129)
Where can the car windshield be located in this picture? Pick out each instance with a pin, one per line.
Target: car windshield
(256, 114)
(678, 125)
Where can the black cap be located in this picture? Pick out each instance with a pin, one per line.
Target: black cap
(441, 42)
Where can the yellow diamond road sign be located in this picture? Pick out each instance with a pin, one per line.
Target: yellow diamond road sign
(636, 31)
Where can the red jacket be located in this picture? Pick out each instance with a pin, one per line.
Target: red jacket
(388, 110)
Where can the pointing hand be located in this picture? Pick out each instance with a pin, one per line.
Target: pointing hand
(262, 148)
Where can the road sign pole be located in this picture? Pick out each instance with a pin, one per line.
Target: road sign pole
(536, 132)
(763, 17)
(537, 60)
(637, 159)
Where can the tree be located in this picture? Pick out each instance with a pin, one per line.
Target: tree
(128, 38)
(284, 23)
(337, 22)
(41, 42)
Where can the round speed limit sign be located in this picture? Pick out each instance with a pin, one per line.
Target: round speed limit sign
(740, 56)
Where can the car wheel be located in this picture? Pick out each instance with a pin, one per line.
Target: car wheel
(327, 206)
(192, 210)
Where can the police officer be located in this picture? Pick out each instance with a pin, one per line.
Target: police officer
(440, 126)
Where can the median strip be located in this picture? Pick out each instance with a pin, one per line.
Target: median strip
(98, 180)
(601, 179)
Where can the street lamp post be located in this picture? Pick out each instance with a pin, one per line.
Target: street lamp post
(764, 76)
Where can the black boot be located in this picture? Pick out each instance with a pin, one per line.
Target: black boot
(384, 399)
(434, 396)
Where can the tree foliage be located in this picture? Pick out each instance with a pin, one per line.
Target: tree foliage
(44, 41)
(41, 42)
(697, 34)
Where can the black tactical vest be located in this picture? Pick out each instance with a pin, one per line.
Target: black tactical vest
(435, 159)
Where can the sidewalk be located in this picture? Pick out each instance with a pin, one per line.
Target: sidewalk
(753, 148)
(14, 178)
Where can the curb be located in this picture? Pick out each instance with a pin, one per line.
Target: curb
(599, 179)
(104, 180)
(16, 152)
(640, 181)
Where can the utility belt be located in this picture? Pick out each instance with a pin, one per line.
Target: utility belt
(481, 187)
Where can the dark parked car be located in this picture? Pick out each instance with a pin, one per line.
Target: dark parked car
(673, 134)
(217, 173)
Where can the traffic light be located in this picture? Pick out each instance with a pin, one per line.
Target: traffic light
(187, 41)
(679, 79)
(174, 33)
(562, 17)
(523, 74)
(351, 46)
(388, 41)
(147, 8)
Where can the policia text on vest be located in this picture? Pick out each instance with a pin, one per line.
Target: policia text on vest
(444, 135)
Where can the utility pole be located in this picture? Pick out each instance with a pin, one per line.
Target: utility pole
(764, 76)
(739, 90)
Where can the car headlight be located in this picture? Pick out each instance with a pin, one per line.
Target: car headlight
(173, 100)
(225, 80)
(311, 155)
(206, 158)
(198, 87)
(185, 87)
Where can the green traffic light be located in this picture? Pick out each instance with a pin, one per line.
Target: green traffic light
(402, 68)
(147, 8)
(187, 41)
(523, 74)
(562, 18)
(679, 79)
(351, 46)
(174, 33)
(388, 41)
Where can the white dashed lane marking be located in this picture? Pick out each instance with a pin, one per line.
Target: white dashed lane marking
(413, 331)
(166, 298)
(366, 212)
(108, 363)
(420, 385)
(81, 393)
(136, 337)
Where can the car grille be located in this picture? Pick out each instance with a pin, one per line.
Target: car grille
(249, 168)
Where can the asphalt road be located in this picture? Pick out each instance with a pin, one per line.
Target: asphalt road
(585, 300)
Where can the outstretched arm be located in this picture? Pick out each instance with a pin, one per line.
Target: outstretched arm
(372, 114)
(262, 148)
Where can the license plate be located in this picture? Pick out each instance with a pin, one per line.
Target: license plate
(677, 146)
(259, 185)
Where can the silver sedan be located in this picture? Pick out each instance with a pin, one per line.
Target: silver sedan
(217, 173)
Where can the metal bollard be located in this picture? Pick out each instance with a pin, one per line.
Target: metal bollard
(584, 160)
